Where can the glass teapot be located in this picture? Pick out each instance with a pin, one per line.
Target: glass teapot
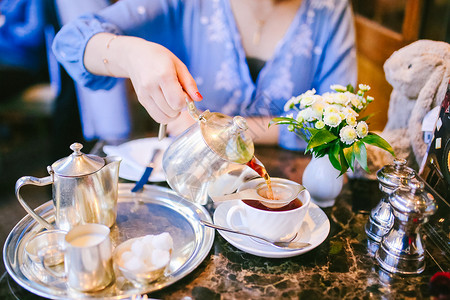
(209, 155)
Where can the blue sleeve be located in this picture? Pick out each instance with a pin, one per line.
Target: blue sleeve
(337, 64)
(151, 20)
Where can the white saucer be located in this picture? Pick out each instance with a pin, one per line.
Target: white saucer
(314, 230)
(136, 155)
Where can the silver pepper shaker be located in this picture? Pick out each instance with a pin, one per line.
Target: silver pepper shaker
(402, 249)
(390, 177)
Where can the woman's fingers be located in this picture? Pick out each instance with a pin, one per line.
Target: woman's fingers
(187, 81)
(173, 93)
(160, 114)
(166, 104)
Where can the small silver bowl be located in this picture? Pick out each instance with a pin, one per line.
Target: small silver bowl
(138, 279)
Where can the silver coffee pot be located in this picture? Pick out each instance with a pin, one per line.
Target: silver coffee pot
(402, 249)
(85, 189)
(390, 177)
(215, 149)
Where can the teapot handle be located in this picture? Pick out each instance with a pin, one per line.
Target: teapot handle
(33, 181)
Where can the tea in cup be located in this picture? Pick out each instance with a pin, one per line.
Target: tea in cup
(87, 255)
(277, 223)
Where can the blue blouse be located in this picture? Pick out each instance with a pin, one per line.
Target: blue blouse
(318, 50)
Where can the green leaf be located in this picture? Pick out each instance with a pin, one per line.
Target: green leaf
(333, 156)
(313, 130)
(367, 117)
(361, 154)
(349, 154)
(344, 164)
(321, 137)
(378, 141)
(283, 120)
(350, 88)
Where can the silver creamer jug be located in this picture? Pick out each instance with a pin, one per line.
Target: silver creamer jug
(85, 189)
(216, 146)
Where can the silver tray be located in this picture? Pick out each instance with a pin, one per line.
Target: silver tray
(155, 210)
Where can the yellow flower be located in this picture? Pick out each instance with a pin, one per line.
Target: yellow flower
(348, 135)
(362, 129)
(332, 119)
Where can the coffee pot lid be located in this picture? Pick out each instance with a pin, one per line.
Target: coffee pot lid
(226, 136)
(78, 163)
(413, 198)
(395, 175)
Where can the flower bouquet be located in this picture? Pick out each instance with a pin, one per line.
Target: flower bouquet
(331, 125)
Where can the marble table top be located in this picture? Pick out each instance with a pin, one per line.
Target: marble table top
(342, 267)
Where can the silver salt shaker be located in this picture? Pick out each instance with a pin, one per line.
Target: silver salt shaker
(402, 249)
(390, 177)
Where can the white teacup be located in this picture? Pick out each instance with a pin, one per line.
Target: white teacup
(276, 225)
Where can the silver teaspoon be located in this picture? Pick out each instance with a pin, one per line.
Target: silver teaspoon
(281, 245)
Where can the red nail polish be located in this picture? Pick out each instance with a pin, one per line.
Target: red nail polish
(199, 96)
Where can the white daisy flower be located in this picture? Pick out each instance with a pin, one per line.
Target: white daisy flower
(348, 135)
(318, 108)
(370, 99)
(328, 97)
(355, 101)
(290, 104)
(362, 129)
(364, 87)
(347, 111)
(308, 100)
(342, 98)
(309, 115)
(338, 88)
(332, 119)
(319, 124)
(331, 109)
(351, 120)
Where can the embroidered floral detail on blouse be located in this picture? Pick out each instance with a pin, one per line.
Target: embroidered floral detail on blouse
(226, 76)
(302, 43)
(282, 86)
(319, 4)
(217, 29)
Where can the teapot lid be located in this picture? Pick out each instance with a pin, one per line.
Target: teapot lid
(393, 176)
(78, 163)
(227, 136)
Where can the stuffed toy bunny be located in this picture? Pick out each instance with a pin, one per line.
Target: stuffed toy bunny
(419, 74)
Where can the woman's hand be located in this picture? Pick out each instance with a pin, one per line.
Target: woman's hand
(180, 124)
(161, 81)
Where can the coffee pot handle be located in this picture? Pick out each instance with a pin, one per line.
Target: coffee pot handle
(25, 180)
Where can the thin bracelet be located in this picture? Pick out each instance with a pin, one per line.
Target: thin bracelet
(105, 60)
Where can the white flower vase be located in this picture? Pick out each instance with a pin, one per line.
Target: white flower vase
(322, 181)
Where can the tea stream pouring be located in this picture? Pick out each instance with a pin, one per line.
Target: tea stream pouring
(213, 148)
(85, 189)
